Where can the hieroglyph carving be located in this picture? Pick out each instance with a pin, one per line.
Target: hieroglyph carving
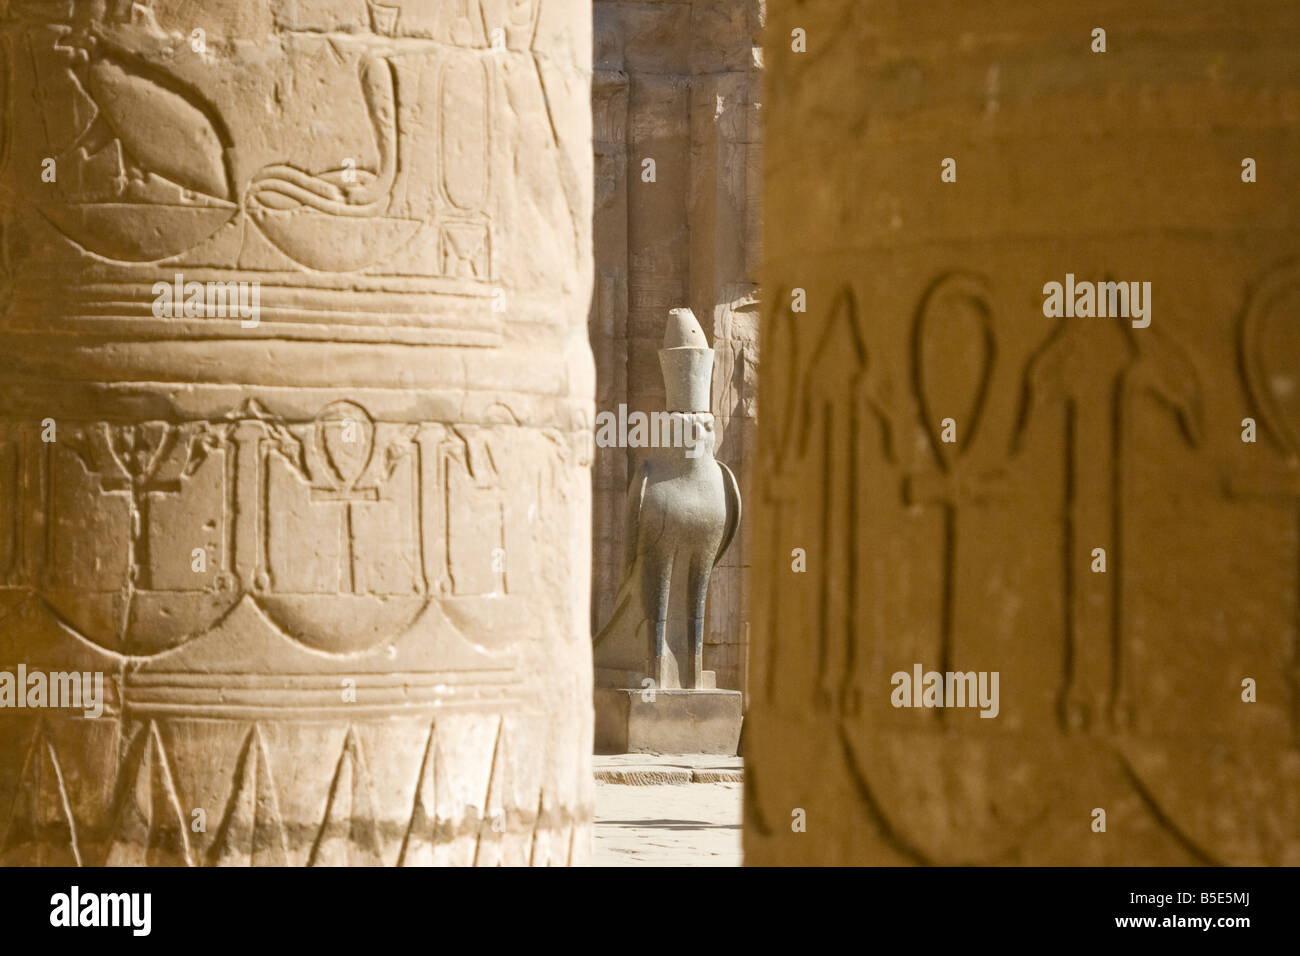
(143, 147)
(387, 514)
(1094, 380)
(833, 419)
(1270, 356)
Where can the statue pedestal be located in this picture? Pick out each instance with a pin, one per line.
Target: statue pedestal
(683, 509)
(703, 721)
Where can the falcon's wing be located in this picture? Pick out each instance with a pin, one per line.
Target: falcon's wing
(731, 490)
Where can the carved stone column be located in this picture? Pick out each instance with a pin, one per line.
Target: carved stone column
(1098, 508)
(294, 430)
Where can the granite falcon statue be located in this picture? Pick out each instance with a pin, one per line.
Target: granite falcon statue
(683, 508)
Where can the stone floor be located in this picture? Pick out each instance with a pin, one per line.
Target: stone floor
(660, 818)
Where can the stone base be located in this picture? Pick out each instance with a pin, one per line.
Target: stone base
(609, 677)
(675, 722)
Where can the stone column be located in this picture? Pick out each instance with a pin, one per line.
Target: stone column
(955, 477)
(295, 430)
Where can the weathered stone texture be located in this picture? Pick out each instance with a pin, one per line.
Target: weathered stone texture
(332, 557)
(677, 82)
(675, 722)
(1119, 690)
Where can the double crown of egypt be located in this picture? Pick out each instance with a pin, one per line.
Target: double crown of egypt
(687, 363)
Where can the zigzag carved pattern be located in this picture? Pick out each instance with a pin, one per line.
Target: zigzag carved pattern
(466, 811)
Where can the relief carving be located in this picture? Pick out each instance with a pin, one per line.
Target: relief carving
(1092, 375)
(954, 354)
(1270, 355)
(189, 517)
(308, 545)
